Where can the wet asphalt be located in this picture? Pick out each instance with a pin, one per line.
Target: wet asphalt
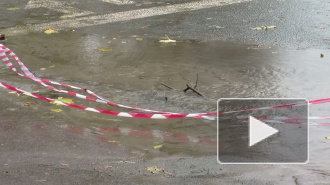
(51, 149)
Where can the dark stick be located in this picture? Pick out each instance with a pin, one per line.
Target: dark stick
(188, 87)
(167, 86)
(2, 36)
(196, 82)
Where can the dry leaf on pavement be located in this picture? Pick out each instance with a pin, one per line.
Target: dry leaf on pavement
(264, 27)
(56, 110)
(157, 146)
(50, 31)
(105, 49)
(13, 8)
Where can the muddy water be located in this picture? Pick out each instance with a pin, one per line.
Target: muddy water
(132, 73)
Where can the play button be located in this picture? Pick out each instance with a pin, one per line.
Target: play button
(262, 131)
(259, 131)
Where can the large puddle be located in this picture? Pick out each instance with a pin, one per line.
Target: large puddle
(130, 71)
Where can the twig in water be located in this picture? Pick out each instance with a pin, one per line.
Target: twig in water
(186, 89)
(196, 82)
(167, 85)
(195, 91)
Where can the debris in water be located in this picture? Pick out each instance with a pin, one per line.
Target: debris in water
(321, 55)
(28, 103)
(167, 85)
(13, 8)
(264, 27)
(56, 110)
(67, 16)
(50, 31)
(64, 100)
(168, 40)
(2, 36)
(155, 169)
(194, 90)
(106, 167)
(158, 146)
(196, 82)
(64, 164)
(327, 137)
(105, 49)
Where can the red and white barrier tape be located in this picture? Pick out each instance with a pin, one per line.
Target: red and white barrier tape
(4, 51)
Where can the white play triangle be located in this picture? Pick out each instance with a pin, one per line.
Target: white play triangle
(259, 131)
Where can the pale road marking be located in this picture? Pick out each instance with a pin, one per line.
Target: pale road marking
(56, 6)
(119, 2)
(120, 16)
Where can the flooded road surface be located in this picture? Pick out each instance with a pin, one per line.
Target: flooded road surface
(131, 71)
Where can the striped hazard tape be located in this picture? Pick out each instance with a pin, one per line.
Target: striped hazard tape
(151, 114)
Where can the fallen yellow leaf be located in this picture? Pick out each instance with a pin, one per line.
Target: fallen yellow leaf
(28, 103)
(157, 146)
(105, 49)
(167, 41)
(67, 16)
(50, 31)
(264, 27)
(268, 27)
(64, 100)
(56, 110)
(13, 8)
(327, 137)
(139, 38)
(154, 169)
(63, 164)
(51, 66)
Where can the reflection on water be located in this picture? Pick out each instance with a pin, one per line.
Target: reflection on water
(132, 72)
